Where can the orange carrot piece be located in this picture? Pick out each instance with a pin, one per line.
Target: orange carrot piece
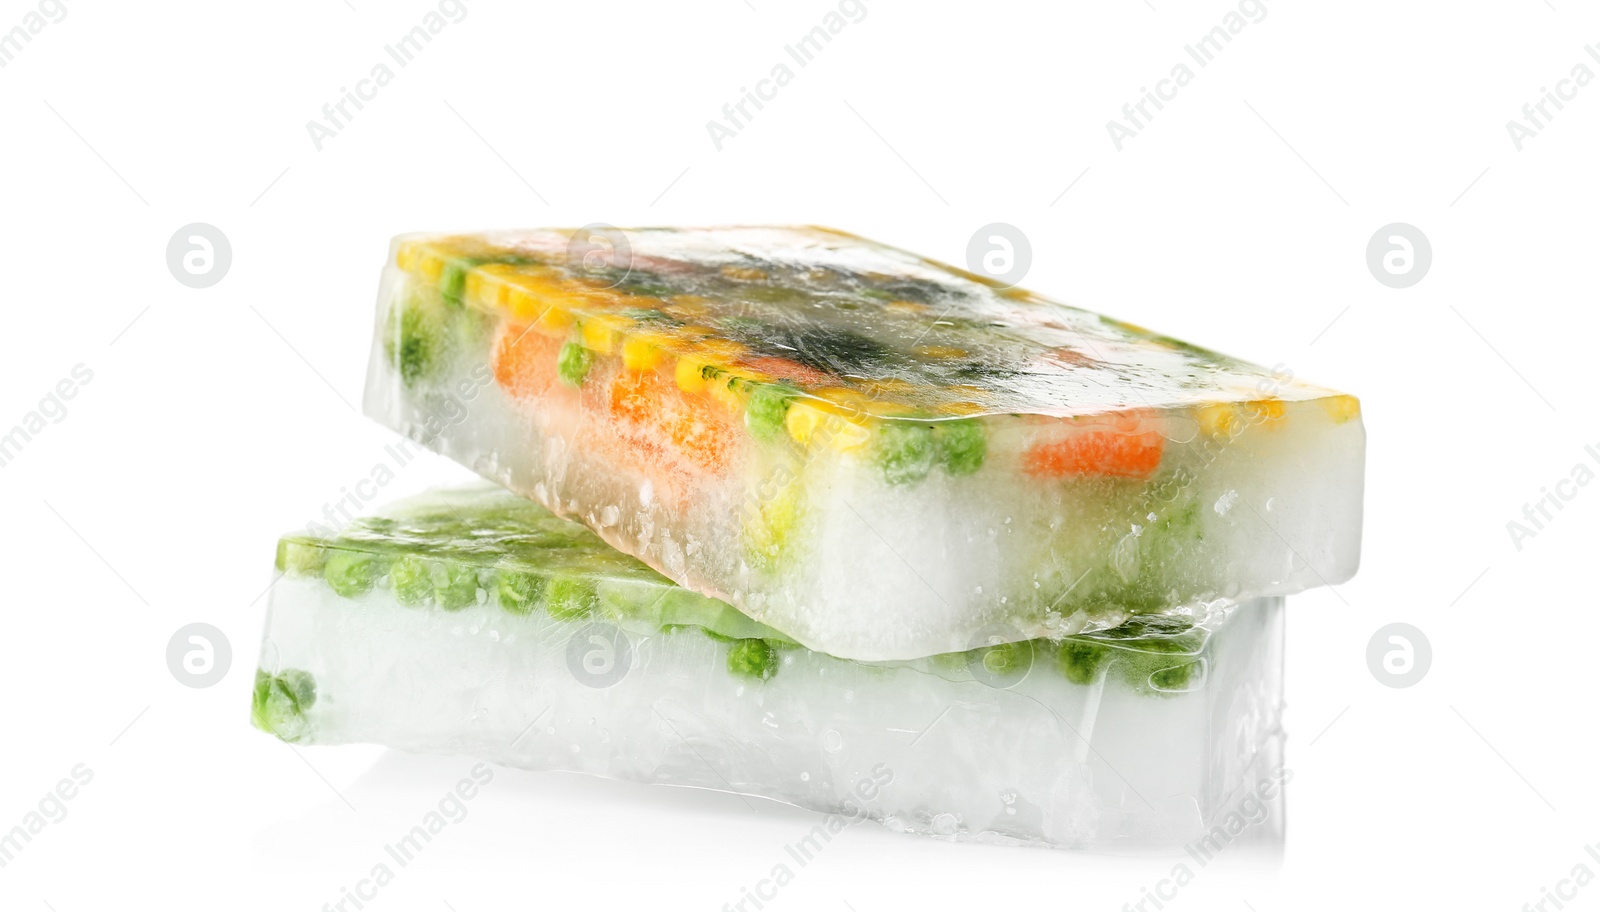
(1121, 452)
(524, 361)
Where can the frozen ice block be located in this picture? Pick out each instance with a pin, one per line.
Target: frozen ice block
(878, 455)
(473, 622)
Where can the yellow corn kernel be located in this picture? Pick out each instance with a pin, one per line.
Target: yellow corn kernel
(940, 351)
(842, 435)
(409, 257)
(689, 372)
(555, 321)
(961, 408)
(1341, 408)
(746, 273)
(431, 267)
(642, 352)
(725, 394)
(908, 307)
(1266, 412)
(486, 289)
(802, 421)
(1219, 419)
(600, 332)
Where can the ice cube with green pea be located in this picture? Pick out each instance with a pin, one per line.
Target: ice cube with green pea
(471, 621)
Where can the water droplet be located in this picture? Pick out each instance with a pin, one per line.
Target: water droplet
(832, 741)
(805, 777)
(945, 824)
(609, 515)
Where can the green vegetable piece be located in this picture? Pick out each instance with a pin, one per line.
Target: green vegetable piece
(570, 599)
(572, 365)
(454, 586)
(410, 580)
(766, 408)
(279, 703)
(350, 573)
(1080, 660)
(753, 659)
(904, 452)
(453, 279)
(960, 445)
(1175, 678)
(409, 342)
(297, 558)
(518, 591)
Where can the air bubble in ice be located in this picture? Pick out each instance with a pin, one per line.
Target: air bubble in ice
(945, 824)
(832, 741)
(609, 514)
(1225, 502)
(805, 777)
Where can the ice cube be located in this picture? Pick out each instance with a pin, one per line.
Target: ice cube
(874, 453)
(473, 622)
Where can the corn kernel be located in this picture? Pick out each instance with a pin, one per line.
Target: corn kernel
(689, 372)
(641, 353)
(1341, 408)
(802, 420)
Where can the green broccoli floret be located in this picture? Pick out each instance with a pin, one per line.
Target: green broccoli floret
(765, 411)
(904, 452)
(279, 703)
(572, 365)
(568, 599)
(1174, 678)
(960, 445)
(413, 340)
(1080, 660)
(754, 658)
(518, 591)
(350, 573)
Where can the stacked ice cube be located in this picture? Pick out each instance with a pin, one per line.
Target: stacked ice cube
(847, 516)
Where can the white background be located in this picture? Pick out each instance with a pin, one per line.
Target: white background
(217, 419)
